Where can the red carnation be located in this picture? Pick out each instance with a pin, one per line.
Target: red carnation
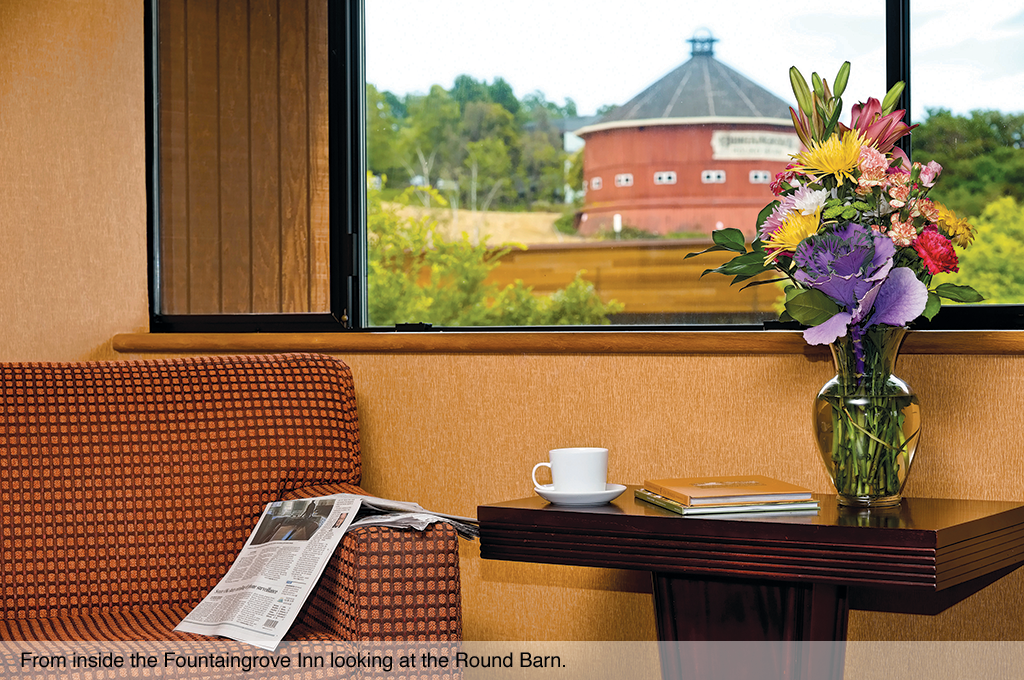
(937, 251)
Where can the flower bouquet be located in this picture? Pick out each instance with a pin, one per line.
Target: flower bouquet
(856, 240)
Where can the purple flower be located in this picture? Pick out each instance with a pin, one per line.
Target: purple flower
(901, 298)
(853, 266)
(844, 264)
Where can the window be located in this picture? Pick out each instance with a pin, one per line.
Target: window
(250, 212)
(285, 246)
(624, 180)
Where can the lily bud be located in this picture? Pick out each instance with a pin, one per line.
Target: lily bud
(801, 91)
(891, 97)
(839, 84)
(818, 87)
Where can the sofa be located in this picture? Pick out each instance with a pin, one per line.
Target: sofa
(129, 487)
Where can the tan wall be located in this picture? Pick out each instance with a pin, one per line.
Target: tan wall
(72, 183)
(453, 431)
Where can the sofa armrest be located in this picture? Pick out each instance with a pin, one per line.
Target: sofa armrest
(385, 584)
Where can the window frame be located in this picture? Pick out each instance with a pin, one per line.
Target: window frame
(347, 206)
(347, 209)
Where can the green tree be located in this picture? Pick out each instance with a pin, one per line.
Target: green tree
(982, 156)
(467, 89)
(501, 93)
(430, 141)
(991, 265)
(383, 156)
(535, 102)
(487, 168)
(542, 170)
(416, 275)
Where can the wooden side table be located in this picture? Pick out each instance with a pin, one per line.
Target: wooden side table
(759, 578)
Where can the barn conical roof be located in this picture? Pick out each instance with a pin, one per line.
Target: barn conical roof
(701, 90)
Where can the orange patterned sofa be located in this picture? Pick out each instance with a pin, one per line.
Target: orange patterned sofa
(129, 487)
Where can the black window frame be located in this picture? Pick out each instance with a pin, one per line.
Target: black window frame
(347, 208)
(348, 313)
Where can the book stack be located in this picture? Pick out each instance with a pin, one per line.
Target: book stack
(750, 494)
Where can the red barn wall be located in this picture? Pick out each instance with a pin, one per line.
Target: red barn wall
(689, 205)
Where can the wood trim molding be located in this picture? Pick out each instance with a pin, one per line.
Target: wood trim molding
(553, 342)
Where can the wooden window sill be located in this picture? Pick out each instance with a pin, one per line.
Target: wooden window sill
(554, 342)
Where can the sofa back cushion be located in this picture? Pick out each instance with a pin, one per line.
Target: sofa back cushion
(134, 483)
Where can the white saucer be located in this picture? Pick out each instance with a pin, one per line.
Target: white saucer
(611, 492)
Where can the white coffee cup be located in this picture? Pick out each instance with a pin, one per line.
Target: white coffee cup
(576, 470)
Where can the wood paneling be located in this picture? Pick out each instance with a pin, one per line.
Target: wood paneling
(244, 156)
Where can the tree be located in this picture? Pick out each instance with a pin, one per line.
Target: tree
(535, 102)
(416, 274)
(488, 165)
(982, 156)
(490, 138)
(991, 265)
(501, 93)
(383, 156)
(542, 170)
(467, 89)
(430, 141)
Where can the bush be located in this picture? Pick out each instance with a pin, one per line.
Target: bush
(417, 275)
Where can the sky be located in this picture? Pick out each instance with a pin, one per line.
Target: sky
(601, 52)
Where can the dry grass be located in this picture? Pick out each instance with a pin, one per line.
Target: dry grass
(498, 227)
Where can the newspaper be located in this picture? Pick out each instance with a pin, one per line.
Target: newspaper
(258, 599)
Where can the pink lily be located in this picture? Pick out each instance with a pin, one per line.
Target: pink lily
(879, 131)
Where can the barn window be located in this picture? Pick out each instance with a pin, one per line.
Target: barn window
(760, 177)
(595, 183)
(713, 177)
(666, 177)
(624, 179)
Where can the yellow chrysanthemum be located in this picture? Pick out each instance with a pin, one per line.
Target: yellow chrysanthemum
(959, 230)
(834, 156)
(795, 228)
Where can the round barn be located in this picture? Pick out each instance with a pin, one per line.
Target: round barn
(694, 152)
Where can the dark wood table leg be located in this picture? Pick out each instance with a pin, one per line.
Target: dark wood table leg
(777, 621)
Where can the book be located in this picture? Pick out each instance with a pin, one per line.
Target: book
(773, 508)
(727, 490)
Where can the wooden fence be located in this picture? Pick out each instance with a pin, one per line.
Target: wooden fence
(648, 277)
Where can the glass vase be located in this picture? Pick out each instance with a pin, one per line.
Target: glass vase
(867, 422)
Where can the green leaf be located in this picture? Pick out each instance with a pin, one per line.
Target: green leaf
(712, 249)
(956, 293)
(730, 239)
(810, 307)
(933, 306)
(750, 264)
(834, 118)
(761, 283)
